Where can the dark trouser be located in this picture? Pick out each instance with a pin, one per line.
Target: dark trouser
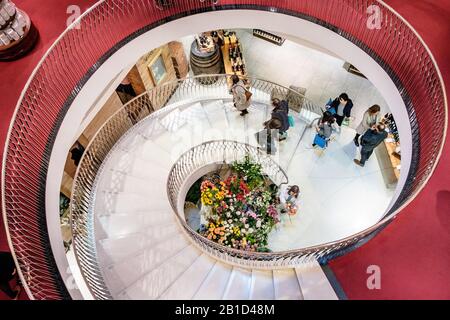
(357, 137)
(339, 119)
(5, 287)
(365, 154)
(242, 111)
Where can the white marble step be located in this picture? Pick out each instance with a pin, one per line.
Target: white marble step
(129, 272)
(314, 283)
(286, 285)
(133, 163)
(257, 116)
(238, 287)
(120, 248)
(186, 286)
(262, 287)
(214, 285)
(114, 181)
(121, 202)
(123, 224)
(149, 128)
(129, 163)
(154, 283)
(132, 141)
(216, 115)
(194, 113)
(154, 154)
(288, 147)
(173, 120)
(236, 123)
(177, 142)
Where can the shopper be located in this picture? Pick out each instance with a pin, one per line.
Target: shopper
(8, 272)
(240, 95)
(370, 140)
(341, 107)
(281, 113)
(371, 117)
(290, 200)
(280, 105)
(324, 127)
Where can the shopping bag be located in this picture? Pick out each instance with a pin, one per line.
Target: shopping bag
(320, 141)
(248, 95)
(347, 122)
(291, 121)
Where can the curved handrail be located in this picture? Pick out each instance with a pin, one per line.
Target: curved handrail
(116, 128)
(110, 24)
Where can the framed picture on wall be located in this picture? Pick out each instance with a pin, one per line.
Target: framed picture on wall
(157, 69)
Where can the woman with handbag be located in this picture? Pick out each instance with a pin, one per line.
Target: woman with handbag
(241, 96)
(371, 117)
(281, 113)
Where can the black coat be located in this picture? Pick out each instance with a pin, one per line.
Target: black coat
(347, 109)
(371, 139)
(283, 117)
(283, 106)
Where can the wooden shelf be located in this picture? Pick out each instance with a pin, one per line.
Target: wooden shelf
(268, 37)
(226, 59)
(388, 163)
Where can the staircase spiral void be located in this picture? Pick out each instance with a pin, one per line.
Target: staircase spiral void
(130, 234)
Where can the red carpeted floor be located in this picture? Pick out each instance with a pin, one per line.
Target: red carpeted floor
(50, 18)
(413, 252)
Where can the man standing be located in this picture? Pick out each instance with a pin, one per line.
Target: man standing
(370, 140)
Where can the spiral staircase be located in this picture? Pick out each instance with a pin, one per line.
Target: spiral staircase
(142, 249)
(130, 240)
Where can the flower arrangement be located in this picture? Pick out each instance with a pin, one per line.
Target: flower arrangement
(241, 210)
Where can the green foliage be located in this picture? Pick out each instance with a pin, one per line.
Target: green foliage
(250, 171)
(194, 193)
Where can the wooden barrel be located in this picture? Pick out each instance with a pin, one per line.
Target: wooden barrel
(204, 63)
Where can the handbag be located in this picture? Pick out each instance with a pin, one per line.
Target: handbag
(248, 94)
(332, 111)
(329, 108)
(291, 121)
(320, 141)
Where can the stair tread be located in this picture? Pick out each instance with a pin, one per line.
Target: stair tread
(286, 285)
(262, 287)
(159, 279)
(215, 284)
(314, 283)
(239, 285)
(188, 283)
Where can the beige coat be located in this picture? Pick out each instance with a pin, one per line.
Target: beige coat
(239, 98)
(367, 122)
